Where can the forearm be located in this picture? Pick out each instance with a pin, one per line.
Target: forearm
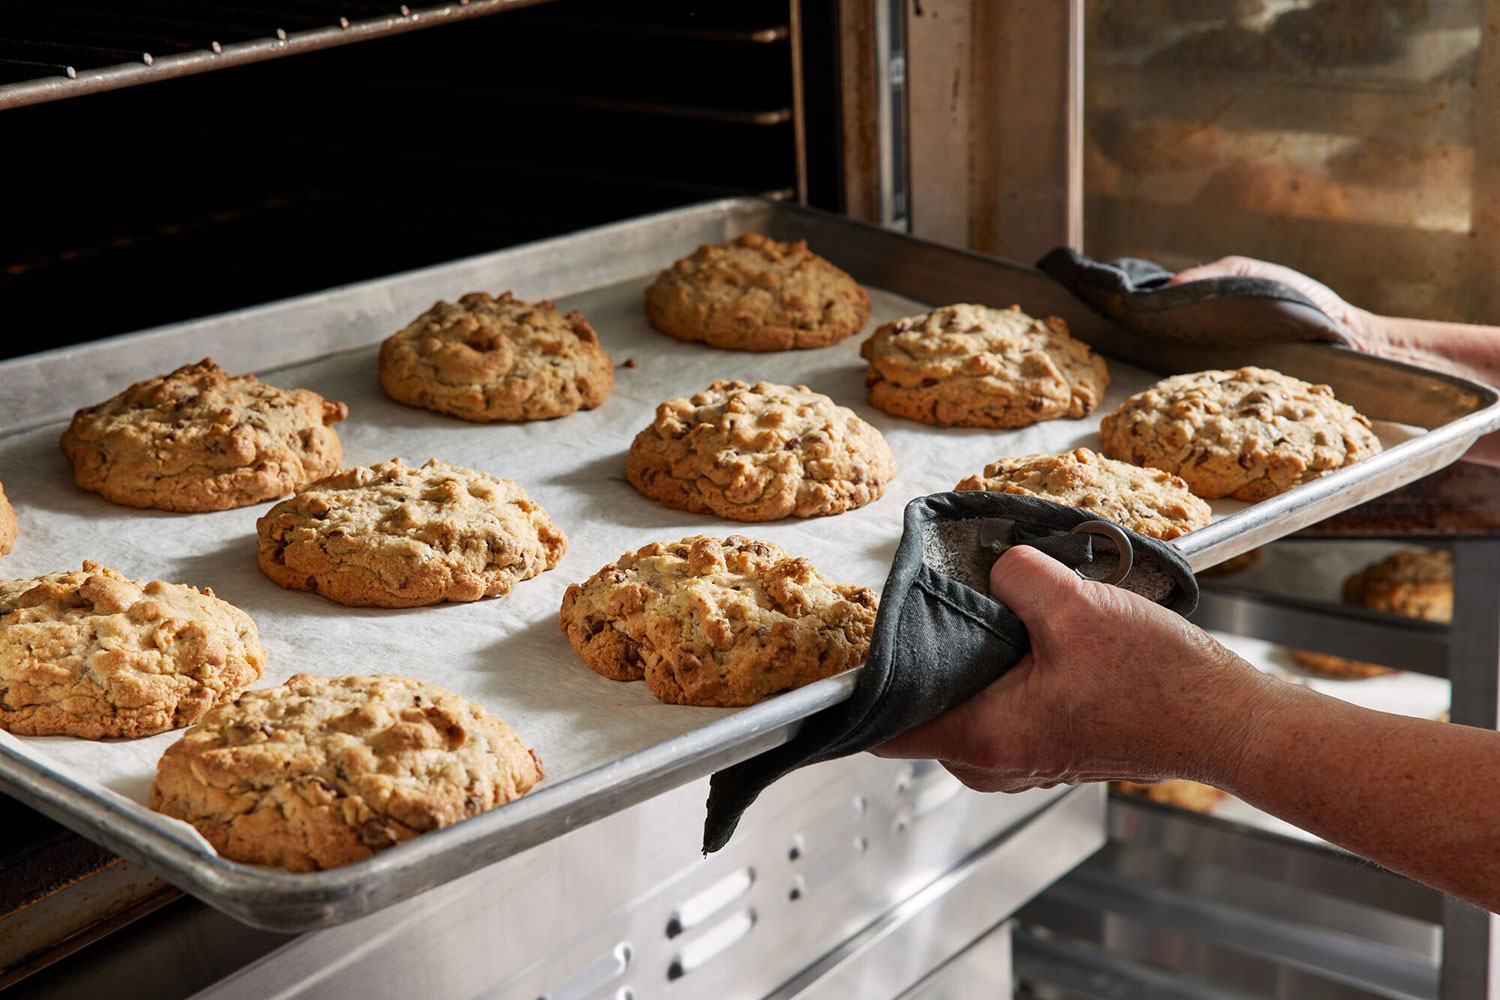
(1458, 348)
(1417, 797)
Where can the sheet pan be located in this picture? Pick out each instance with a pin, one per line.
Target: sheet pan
(606, 745)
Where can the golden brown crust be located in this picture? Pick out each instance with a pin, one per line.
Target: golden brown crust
(755, 294)
(390, 536)
(709, 621)
(758, 453)
(1337, 667)
(1248, 434)
(973, 366)
(1154, 503)
(9, 527)
(92, 653)
(199, 439)
(486, 359)
(325, 771)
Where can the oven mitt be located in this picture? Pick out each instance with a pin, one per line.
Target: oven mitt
(939, 637)
(1232, 310)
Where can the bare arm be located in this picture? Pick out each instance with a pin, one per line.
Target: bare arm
(1458, 348)
(1117, 688)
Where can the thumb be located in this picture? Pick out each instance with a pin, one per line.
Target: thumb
(1029, 582)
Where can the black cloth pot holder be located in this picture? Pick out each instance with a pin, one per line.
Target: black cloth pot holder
(939, 636)
(1232, 310)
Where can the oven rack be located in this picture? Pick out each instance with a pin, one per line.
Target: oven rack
(52, 51)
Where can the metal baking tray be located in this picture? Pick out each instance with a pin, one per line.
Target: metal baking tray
(45, 388)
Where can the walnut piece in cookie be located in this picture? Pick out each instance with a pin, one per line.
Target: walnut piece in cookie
(325, 771)
(755, 294)
(973, 366)
(1155, 503)
(95, 654)
(710, 621)
(9, 527)
(391, 536)
(1413, 583)
(758, 453)
(1248, 434)
(486, 359)
(199, 439)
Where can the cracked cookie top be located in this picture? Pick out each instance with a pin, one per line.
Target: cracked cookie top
(486, 359)
(973, 366)
(717, 621)
(325, 771)
(199, 439)
(752, 293)
(95, 654)
(758, 453)
(388, 535)
(1155, 503)
(1248, 434)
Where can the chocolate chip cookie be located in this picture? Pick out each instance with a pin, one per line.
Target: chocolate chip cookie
(711, 621)
(326, 771)
(755, 294)
(486, 359)
(390, 536)
(1248, 434)
(200, 439)
(1154, 503)
(758, 453)
(1414, 583)
(93, 653)
(973, 366)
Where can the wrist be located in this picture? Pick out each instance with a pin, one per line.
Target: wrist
(1264, 714)
(1369, 332)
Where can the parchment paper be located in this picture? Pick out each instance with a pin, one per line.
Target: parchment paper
(506, 653)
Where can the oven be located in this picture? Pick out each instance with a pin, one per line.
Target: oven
(170, 161)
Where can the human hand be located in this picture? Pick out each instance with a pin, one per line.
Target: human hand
(1363, 330)
(1114, 688)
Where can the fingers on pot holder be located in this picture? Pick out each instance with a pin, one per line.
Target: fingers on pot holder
(940, 637)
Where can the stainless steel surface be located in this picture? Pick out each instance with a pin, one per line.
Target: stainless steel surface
(150, 68)
(1368, 636)
(858, 850)
(981, 970)
(43, 388)
(912, 939)
(1179, 904)
(74, 913)
(1471, 956)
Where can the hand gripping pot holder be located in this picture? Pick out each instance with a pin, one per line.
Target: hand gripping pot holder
(939, 637)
